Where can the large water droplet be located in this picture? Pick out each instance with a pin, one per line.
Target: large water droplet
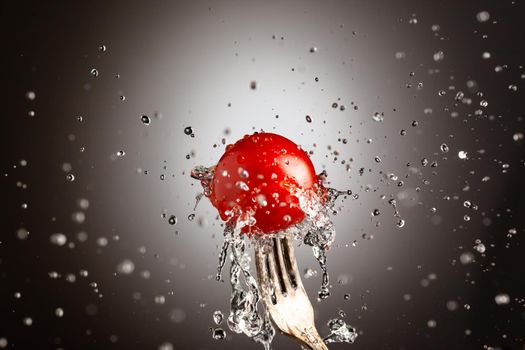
(218, 317)
(172, 220)
(145, 120)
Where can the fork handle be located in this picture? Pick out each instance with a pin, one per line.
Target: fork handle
(313, 340)
(321, 346)
(318, 346)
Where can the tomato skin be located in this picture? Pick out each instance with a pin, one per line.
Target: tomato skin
(257, 175)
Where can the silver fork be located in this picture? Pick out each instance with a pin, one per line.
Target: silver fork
(283, 292)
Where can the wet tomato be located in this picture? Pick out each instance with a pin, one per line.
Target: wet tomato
(256, 181)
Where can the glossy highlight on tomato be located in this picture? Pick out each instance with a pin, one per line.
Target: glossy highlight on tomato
(256, 180)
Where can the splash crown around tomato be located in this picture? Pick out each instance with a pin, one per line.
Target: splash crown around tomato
(257, 180)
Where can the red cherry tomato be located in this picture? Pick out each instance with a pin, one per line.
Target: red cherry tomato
(255, 178)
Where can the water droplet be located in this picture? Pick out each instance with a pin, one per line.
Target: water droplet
(340, 332)
(58, 239)
(378, 117)
(466, 258)
(94, 72)
(70, 177)
(102, 48)
(324, 293)
(218, 317)
(145, 120)
(243, 173)
(177, 315)
(400, 223)
(166, 346)
(253, 85)
(172, 220)
(218, 334)
(502, 299)
(375, 212)
(462, 155)
(439, 56)
(188, 130)
(22, 234)
(399, 55)
(126, 267)
(30, 95)
(308, 119)
(242, 185)
(444, 148)
(191, 217)
(483, 16)
(452, 305)
(517, 136)
(313, 49)
(480, 248)
(261, 199)
(121, 153)
(59, 312)
(309, 273)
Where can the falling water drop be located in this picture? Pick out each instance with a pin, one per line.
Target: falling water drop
(145, 119)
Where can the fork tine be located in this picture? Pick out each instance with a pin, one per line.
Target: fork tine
(266, 272)
(283, 265)
(274, 271)
(290, 262)
(262, 273)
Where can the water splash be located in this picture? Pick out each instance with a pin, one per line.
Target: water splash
(340, 332)
(316, 231)
(244, 314)
(204, 175)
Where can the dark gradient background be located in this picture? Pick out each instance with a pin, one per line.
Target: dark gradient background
(182, 64)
